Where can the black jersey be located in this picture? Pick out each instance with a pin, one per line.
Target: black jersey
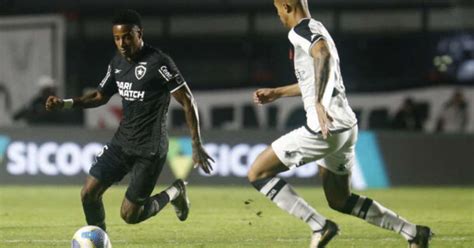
(145, 87)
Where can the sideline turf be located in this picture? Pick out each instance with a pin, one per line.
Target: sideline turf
(40, 216)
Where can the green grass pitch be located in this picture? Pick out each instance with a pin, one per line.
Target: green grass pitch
(42, 216)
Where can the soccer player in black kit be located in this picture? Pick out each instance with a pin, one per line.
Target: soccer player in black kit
(145, 78)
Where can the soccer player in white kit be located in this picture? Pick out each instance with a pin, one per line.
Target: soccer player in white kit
(328, 137)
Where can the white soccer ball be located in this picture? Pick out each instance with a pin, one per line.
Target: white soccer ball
(90, 237)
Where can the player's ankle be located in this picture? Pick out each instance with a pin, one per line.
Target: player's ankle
(172, 192)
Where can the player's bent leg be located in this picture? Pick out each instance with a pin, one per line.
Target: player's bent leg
(134, 211)
(91, 197)
(138, 205)
(337, 191)
(130, 211)
(262, 176)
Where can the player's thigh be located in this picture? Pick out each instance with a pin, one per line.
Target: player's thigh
(335, 169)
(300, 147)
(110, 165)
(266, 164)
(143, 177)
(342, 157)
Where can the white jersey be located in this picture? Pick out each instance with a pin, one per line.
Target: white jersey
(303, 36)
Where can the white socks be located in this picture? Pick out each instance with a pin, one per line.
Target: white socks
(285, 197)
(172, 192)
(376, 214)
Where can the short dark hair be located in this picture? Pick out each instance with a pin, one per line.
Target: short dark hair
(127, 17)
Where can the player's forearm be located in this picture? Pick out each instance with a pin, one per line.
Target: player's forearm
(192, 120)
(288, 91)
(90, 100)
(322, 68)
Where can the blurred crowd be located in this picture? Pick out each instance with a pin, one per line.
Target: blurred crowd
(33, 113)
(411, 115)
(453, 117)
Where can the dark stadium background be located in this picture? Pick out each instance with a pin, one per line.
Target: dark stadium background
(401, 56)
(389, 51)
(392, 52)
(387, 48)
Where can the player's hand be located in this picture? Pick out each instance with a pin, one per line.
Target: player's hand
(324, 120)
(54, 103)
(265, 95)
(202, 159)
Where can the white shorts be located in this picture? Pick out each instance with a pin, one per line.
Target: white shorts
(300, 146)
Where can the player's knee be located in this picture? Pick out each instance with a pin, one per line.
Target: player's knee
(129, 217)
(130, 220)
(251, 176)
(88, 197)
(254, 175)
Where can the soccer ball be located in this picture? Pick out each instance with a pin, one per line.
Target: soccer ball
(90, 237)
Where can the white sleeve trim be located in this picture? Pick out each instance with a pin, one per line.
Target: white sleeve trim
(177, 88)
(104, 80)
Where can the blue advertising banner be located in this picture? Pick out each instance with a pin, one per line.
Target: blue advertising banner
(64, 156)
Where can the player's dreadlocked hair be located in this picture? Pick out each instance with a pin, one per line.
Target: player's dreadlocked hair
(127, 17)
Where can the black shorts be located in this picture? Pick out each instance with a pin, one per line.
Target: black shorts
(113, 164)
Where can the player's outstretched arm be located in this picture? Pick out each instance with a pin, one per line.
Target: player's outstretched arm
(267, 95)
(200, 157)
(89, 100)
(322, 68)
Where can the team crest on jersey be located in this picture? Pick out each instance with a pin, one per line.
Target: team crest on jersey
(140, 71)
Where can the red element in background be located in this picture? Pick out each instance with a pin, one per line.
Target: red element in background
(116, 111)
